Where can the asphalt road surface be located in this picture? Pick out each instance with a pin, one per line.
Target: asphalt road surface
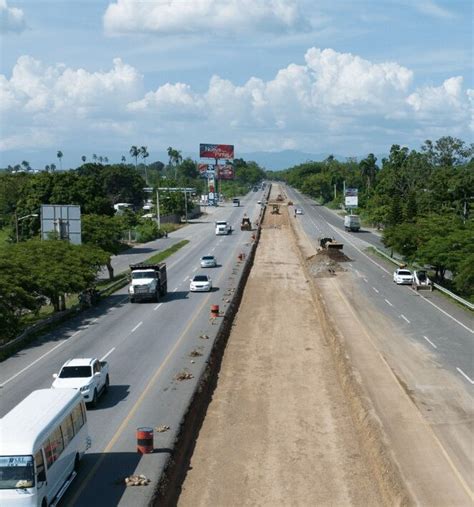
(146, 345)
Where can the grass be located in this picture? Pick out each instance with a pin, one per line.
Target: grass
(161, 256)
(4, 236)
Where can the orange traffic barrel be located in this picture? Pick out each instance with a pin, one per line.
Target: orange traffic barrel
(145, 440)
(214, 310)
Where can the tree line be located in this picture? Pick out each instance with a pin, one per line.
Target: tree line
(36, 272)
(420, 199)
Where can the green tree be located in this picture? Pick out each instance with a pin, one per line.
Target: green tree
(144, 155)
(84, 158)
(59, 155)
(368, 169)
(135, 153)
(448, 151)
(103, 232)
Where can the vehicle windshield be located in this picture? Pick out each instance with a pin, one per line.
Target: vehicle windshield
(75, 372)
(200, 278)
(421, 275)
(208, 258)
(16, 472)
(143, 274)
(404, 273)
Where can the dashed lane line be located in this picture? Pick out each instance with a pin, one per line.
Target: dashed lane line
(376, 290)
(156, 307)
(108, 354)
(465, 376)
(430, 342)
(136, 327)
(404, 318)
(388, 302)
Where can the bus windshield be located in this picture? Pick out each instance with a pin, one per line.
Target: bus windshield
(16, 472)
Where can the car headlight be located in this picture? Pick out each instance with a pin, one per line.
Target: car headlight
(131, 289)
(84, 389)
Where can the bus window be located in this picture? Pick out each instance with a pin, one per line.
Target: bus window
(56, 441)
(40, 468)
(16, 472)
(48, 452)
(77, 418)
(68, 430)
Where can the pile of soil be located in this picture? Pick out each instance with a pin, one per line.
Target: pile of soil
(326, 263)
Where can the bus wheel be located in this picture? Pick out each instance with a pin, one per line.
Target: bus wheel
(77, 462)
(107, 382)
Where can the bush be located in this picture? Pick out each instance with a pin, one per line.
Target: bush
(147, 231)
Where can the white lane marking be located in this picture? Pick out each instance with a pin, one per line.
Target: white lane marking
(465, 376)
(185, 278)
(31, 364)
(388, 302)
(446, 313)
(74, 334)
(418, 293)
(156, 307)
(137, 326)
(430, 342)
(93, 321)
(365, 280)
(212, 249)
(357, 272)
(195, 269)
(108, 354)
(350, 264)
(404, 318)
(174, 290)
(376, 290)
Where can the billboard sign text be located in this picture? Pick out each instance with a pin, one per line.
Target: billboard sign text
(216, 151)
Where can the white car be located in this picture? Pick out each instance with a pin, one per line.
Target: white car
(200, 283)
(208, 261)
(403, 276)
(298, 211)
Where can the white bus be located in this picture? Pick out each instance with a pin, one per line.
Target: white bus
(42, 441)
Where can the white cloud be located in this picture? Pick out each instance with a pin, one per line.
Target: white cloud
(202, 16)
(331, 96)
(11, 18)
(432, 9)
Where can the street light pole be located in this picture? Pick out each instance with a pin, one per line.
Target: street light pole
(186, 206)
(18, 220)
(158, 209)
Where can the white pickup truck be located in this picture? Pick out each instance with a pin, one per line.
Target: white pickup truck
(89, 375)
(223, 228)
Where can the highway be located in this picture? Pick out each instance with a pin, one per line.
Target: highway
(429, 340)
(146, 346)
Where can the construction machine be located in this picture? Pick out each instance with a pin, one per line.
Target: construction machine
(330, 244)
(245, 225)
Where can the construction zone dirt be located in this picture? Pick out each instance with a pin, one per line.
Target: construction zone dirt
(278, 430)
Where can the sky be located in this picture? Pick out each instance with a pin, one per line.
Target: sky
(320, 76)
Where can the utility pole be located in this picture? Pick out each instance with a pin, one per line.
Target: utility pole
(186, 206)
(158, 209)
(335, 191)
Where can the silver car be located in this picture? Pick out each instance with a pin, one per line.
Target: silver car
(208, 261)
(403, 276)
(200, 283)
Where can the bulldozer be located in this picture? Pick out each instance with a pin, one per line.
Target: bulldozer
(330, 244)
(279, 198)
(245, 225)
(275, 209)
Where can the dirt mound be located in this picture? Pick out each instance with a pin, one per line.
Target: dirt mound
(326, 263)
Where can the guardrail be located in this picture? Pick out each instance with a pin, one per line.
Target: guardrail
(439, 287)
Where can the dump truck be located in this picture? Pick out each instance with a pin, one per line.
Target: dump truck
(421, 280)
(245, 225)
(330, 244)
(148, 282)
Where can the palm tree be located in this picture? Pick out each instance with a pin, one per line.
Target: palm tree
(84, 158)
(124, 159)
(144, 154)
(175, 158)
(94, 157)
(26, 165)
(101, 159)
(52, 167)
(60, 156)
(106, 160)
(135, 152)
(46, 167)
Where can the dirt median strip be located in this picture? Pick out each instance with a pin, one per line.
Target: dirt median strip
(278, 430)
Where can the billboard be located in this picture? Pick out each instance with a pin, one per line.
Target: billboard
(62, 220)
(216, 151)
(225, 172)
(351, 198)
